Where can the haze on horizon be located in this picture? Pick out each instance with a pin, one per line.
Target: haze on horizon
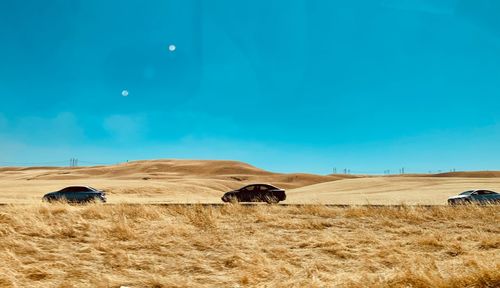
(289, 86)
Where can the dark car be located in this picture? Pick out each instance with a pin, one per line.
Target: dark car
(76, 194)
(256, 193)
(475, 196)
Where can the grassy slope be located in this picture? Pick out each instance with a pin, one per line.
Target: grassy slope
(194, 181)
(313, 246)
(390, 190)
(148, 181)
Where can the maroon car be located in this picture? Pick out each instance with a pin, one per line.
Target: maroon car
(256, 193)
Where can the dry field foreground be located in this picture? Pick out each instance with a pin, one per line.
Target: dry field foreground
(259, 246)
(203, 181)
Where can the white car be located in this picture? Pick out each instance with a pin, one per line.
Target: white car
(475, 196)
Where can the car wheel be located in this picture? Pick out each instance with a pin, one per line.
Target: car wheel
(93, 200)
(459, 202)
(272, 200)
(49, 199)
(231, 199)
(465, 202)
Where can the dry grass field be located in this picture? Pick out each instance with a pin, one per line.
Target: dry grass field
(259, 246)
(132, 243)
(191, 181)
(392, 190)
(167, 181)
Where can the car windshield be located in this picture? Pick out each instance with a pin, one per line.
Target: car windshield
(466, 192)
(76, 189)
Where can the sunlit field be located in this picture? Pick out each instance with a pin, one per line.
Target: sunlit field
(96, 245)
(197, 181)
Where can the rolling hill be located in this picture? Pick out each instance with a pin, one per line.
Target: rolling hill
(193, 181)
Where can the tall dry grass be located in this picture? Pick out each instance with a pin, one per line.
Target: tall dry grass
(259, 246)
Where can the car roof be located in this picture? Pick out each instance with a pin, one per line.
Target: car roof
(255, 184)
(486, 190)
(79, 186)
(475, 190)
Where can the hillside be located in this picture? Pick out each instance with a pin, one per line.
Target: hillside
(149, 181)
(470, 174)
(194, 181)
(390, 190)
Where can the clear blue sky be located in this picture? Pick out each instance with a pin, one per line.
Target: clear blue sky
(286, 85)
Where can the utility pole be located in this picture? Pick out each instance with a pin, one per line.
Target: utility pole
(73, 162)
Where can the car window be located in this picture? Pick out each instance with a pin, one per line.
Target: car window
(75, 189)
(487, 192)
(249, 188)
(263, 188)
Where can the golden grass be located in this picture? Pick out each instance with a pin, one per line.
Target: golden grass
(179, 181)
(392, 190)
(191, 189)
(259, 246)
(204, 181)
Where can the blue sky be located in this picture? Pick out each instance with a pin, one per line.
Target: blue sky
(286, 85)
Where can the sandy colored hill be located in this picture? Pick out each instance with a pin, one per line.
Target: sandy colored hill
(167, 170)
(471, 174)
(149, 181)
(194, 181)
(390, 190)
